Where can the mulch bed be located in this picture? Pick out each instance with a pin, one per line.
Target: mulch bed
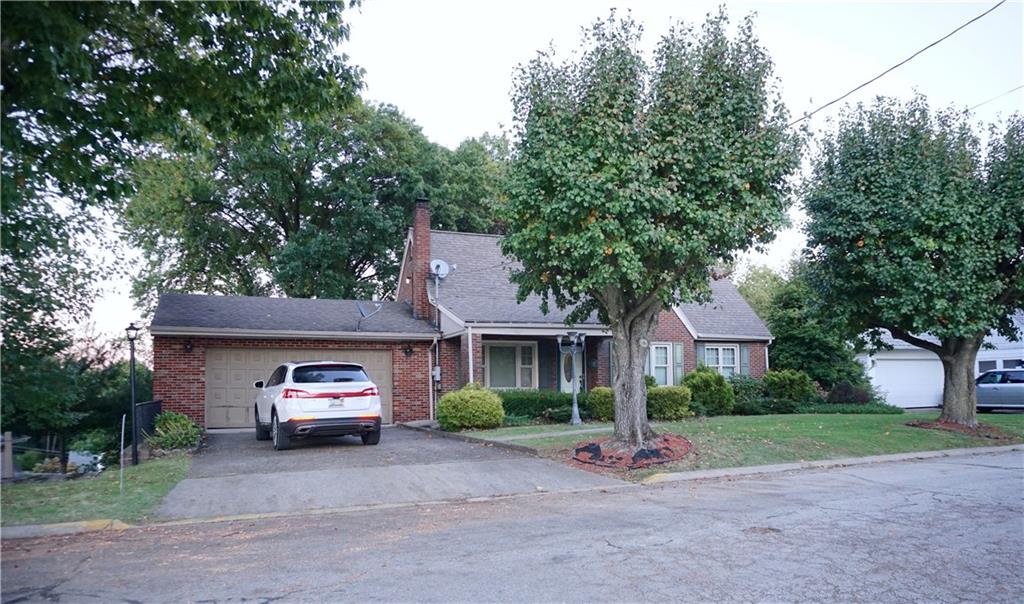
(665, 448)
(981, 431)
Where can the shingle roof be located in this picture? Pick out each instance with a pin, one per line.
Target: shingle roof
(478, 290)
(728, 314)
(244, 313)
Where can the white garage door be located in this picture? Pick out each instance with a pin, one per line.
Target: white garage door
(909, 382)
(230, 372)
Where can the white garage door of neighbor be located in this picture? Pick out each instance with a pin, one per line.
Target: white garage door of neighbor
(910, 382)
(230, 372)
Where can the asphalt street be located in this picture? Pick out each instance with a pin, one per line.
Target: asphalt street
(941, 530)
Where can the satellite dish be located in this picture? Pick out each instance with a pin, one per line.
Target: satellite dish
(363, 312)
(439, 268)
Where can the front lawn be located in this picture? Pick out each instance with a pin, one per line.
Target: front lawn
(95, 497)
(734, 441)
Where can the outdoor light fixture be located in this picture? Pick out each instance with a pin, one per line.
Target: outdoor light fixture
(188, 346)
(133, 333)
(408, 350)
(568, 344)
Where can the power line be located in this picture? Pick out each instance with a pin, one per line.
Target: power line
(997, 97)
(898, 65)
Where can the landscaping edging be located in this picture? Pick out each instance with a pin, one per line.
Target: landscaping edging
(426, 427)
(665, 477)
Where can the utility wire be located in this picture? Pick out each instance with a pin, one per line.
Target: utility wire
(896, 66)
(997, 97)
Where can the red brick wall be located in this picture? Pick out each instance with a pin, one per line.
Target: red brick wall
(758, 350)
(421, 307)
(599, 353)
(452, 377)
(179, 376)
(671, 329)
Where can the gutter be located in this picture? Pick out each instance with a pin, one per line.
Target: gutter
(288, 334)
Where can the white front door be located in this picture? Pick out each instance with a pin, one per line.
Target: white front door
(566, 368)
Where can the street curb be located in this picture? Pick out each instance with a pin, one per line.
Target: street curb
(63, 528)
(472, 439)
(667, 477)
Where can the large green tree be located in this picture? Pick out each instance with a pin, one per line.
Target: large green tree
(914, 229)
(86, 85)
(316, 207)
(629, 180)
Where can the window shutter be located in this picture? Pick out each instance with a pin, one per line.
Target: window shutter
(744, 359)
(700, 355)
(677, 363)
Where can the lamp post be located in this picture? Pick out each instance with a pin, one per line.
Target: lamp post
(133, 332)
(574, 340)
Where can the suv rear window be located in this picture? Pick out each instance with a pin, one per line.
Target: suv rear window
(327, 374)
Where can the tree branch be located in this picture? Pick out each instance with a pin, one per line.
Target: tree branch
(910, 338)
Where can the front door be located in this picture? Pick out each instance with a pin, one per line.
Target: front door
(567, 368)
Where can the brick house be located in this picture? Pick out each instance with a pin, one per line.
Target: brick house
(436, 336)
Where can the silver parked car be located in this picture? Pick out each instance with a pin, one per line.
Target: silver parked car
(1000, 389)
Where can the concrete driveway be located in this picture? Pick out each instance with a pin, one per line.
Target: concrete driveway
(238, 475)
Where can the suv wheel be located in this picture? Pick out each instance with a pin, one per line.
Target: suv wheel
(371, 438)
(262, 432)
(281, 440)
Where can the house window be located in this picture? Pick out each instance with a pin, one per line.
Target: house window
(510, 365)
(1012, 363)
(984, 366)
(661, 364)
(721, 359)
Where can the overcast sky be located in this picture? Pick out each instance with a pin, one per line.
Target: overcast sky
(448, 64)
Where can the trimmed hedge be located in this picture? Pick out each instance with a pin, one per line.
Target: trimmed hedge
(712, 395)
(790, 384)
(848, 408)
(471, 407)
(536, 403)
(669, 403)
(601, 402)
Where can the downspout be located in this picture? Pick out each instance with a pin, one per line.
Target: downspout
(430, 373)
(767, 366)
(469, 333)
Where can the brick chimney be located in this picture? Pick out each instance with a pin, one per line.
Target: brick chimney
(421, 308)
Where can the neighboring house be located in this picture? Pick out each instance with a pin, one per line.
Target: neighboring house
(437, 336)
(912, 377)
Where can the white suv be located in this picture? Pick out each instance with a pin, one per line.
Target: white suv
(317, 398)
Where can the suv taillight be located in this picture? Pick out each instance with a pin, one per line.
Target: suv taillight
(294, 393)
(371, 391)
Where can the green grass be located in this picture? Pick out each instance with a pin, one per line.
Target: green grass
(733, 441)
(95, 497)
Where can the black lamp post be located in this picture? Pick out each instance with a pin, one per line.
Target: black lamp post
(574, 342)
(133, 332)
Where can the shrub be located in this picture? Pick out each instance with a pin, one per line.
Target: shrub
(790, 384)
(601, 402)
(563, 413)
(52, 466)
(94, 441)
(669, 403)
(747, 388)
(517, 420)
(872, 408)
(711, 393)
(471, 407)
(650, 382)
(29, 459)
(173, 431)
(847, 393)
(534, 403)
(751, 406)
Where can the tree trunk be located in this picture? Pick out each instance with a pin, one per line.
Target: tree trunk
(959, 400)
(632, 429)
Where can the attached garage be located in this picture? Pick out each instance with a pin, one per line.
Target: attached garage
(208, 351)
(909, 381)
(230, 372)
